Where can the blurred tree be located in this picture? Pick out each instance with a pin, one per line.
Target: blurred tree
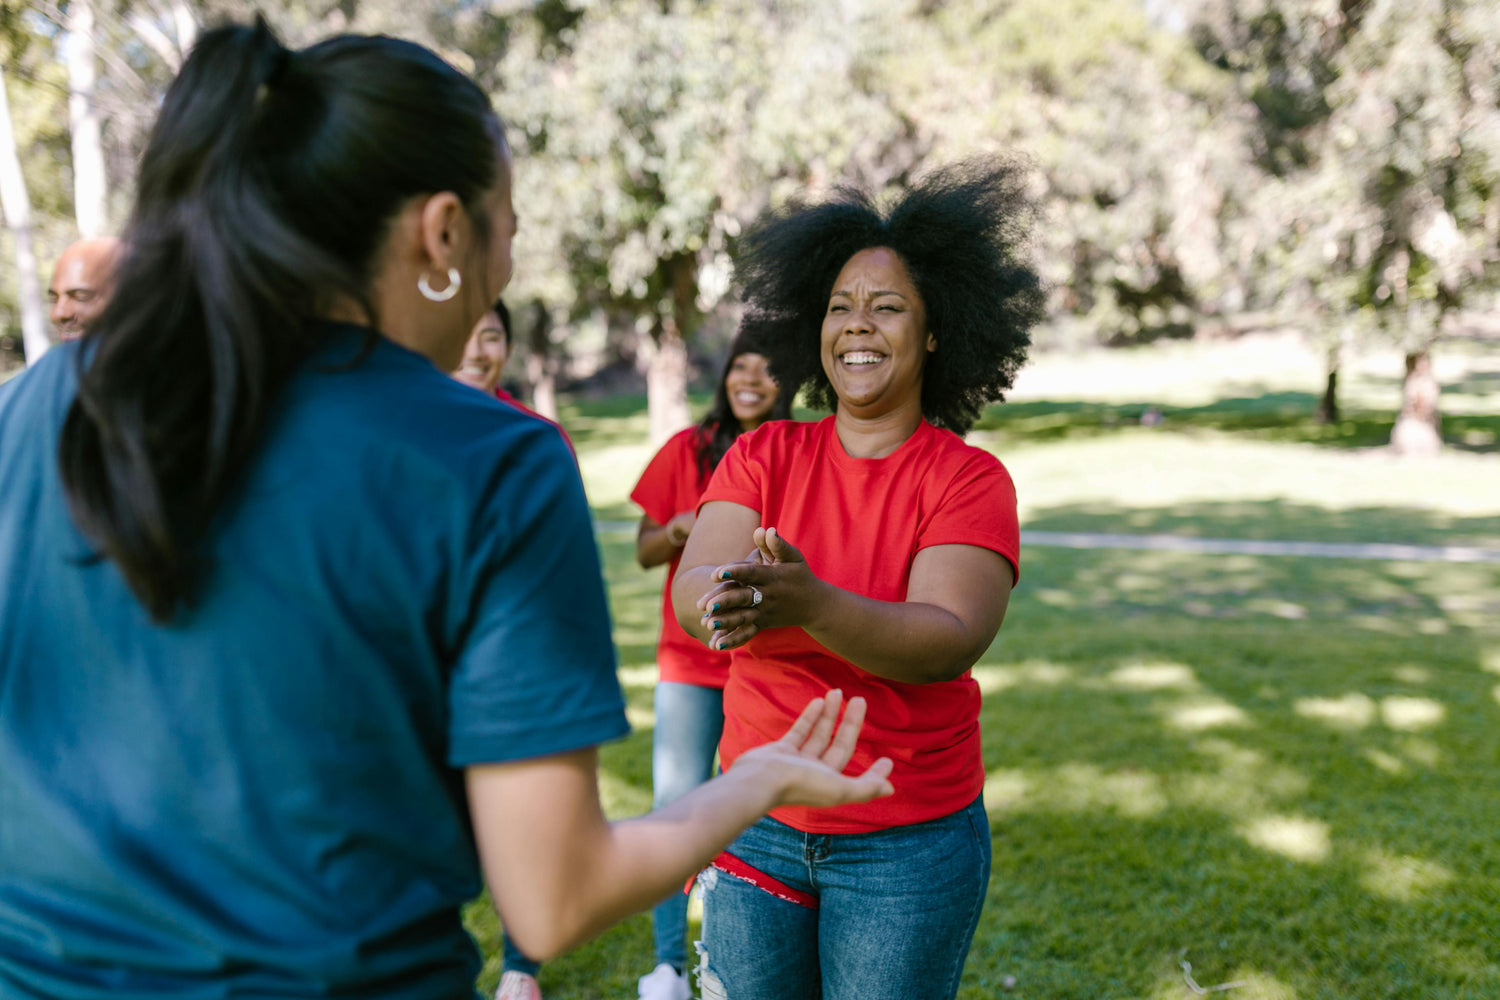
(90, 188)
(1379, 131)
(1283, 59)
(119, 56)
(167, 27)
(16, 202)
(33, 169)
(1137, 143)
(649, 132)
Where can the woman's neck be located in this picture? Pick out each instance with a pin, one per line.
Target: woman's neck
(876, 436)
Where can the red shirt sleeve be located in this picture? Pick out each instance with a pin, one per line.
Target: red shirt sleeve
(979, 510)
(658, 491)
(743, 473)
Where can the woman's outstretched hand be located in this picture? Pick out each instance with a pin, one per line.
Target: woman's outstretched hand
(788, 590)
(806, 766)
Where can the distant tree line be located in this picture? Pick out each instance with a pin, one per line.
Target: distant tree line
(1332, 165)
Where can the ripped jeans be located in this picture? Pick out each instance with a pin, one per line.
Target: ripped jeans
(895, 912)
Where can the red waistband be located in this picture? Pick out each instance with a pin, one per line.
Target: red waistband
(731, 865)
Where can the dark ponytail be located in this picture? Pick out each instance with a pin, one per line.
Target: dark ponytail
(265, 194)
(719, 427)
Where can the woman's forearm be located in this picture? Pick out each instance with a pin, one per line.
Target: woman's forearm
(688, 586)
(559, 873)
(903, 641)
(653, 545)
(637, 862)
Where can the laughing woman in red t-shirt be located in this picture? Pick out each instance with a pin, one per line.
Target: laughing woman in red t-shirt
(884, 553)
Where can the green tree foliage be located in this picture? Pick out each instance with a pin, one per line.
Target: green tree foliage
(649, 133)
(36, 84)
(1376, 129)
(1138, 144)
(1331, 162)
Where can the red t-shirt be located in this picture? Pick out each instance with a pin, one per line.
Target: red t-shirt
(506, 397)
(859, 523)
(669, 486)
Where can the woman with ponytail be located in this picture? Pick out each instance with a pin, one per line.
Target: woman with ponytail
(300, 635)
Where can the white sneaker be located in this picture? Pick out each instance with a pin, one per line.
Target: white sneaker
(518, 986)
(665, 983)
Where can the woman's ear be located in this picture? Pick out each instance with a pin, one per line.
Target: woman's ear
(931, 342)
(444, 230)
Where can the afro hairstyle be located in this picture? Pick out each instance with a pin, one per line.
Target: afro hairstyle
(963, 232)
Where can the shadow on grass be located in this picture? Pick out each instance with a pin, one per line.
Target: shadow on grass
(1478, 383)
(1278, 769)
(1276, 416)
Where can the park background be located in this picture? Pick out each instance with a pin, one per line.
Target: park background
(1270, 230)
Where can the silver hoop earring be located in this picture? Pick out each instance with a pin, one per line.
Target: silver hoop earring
(454, 281)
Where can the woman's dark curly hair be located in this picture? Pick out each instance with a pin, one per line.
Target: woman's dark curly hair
(719, 428)
(963, 234)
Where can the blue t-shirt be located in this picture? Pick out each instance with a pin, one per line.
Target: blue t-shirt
(265, 797)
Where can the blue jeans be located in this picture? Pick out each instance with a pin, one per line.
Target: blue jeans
(689, 722)
(896, 912)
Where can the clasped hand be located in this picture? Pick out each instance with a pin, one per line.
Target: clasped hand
(776, 571)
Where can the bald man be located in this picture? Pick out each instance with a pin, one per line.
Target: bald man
(80, 284)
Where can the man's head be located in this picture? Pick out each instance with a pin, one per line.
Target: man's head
(80, 285)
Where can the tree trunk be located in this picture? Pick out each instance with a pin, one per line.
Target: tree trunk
(171, 37)
(83, 121)
(1416, 430)
(1328, 406)
(666, 383)
(16, 204)
(667, 375)
(540, 370)
(186, 25)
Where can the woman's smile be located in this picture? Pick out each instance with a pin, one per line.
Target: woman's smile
(750, 388)
(875, 338)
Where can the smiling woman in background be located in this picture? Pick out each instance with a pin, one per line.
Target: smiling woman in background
(884, 553)
(298, 633)
(690, 677)
(484, 358)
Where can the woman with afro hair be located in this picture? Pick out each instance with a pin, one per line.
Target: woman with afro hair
(883, 550)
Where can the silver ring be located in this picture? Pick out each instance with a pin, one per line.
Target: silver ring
(755, 601)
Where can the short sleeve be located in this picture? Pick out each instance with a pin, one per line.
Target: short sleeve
(535, 673)
(657, 491)
(980, 510)
(742, 474)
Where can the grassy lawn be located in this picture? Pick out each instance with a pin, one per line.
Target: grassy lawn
(1279, 770)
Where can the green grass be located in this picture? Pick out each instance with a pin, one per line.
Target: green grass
(1280, 770)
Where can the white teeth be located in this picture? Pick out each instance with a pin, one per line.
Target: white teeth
(748, 398)
(862, 358)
